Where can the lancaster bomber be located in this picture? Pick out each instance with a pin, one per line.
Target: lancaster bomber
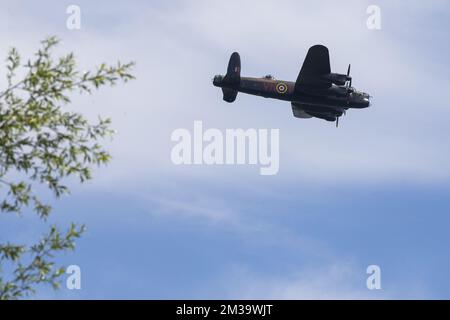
(317, 92)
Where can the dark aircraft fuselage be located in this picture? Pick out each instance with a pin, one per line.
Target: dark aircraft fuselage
(334, 97)
(317, 92)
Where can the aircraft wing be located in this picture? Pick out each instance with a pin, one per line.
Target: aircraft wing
(315, 66)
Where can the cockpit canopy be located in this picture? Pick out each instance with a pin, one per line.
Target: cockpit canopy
(269, 77)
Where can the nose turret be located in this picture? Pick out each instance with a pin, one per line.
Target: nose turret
(359, 99)
(366, 100)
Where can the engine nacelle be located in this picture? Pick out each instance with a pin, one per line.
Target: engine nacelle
(337, 78)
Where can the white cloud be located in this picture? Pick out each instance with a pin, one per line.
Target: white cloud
(178, 51)
(178, 48)
(336, 279)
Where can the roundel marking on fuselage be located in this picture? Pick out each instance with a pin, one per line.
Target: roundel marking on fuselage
(281, 87)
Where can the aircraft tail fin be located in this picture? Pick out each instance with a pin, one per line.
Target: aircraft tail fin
(229, 95)
(233, 76)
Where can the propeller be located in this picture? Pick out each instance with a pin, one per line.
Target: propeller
(349, 84)
(349, 91)
(337, 118)
(348, 75)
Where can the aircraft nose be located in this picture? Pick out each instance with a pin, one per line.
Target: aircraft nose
(368, 100)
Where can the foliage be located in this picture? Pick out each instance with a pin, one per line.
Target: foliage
(41, 144)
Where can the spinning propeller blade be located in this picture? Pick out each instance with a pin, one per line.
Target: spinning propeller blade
(349, 84)
(349, 79)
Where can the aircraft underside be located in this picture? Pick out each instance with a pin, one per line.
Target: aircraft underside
(326, 112)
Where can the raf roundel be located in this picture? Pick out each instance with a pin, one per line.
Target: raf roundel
(281, 88)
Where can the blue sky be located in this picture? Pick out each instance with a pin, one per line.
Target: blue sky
(374, 191)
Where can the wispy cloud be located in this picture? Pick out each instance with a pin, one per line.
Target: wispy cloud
(338, 280)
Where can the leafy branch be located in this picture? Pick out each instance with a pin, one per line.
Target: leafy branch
(41, 144)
